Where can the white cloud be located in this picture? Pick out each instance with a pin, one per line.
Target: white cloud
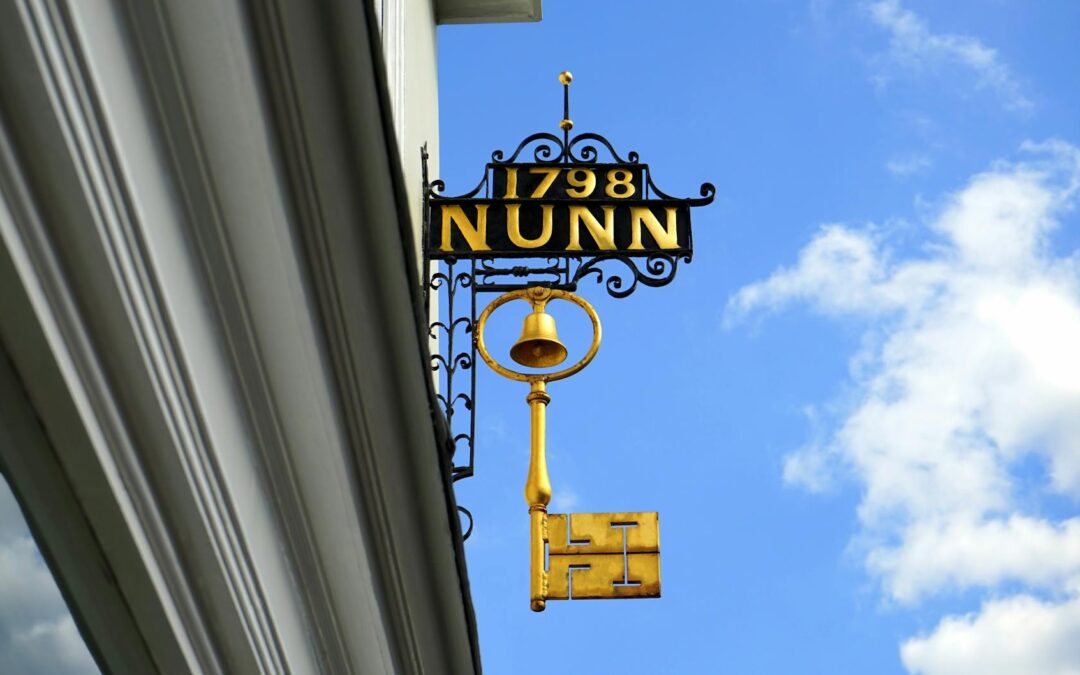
(965, 419)
(564, 500)
(811, 469)
(837, 272)
(913, 46)
(908, 165)
(37, 634)
(1017, 636)
(957, 552)
(842, 271)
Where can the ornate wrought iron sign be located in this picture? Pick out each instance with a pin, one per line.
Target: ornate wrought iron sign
(533, 231)
(573, 214)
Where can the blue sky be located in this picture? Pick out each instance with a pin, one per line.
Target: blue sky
(855, 411)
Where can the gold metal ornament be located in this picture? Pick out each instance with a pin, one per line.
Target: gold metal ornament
(589, 555)
(603, 555)
(565, 78)
(537, 295)
(538, 346)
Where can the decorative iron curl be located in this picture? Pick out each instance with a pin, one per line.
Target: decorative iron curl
(468, 514)
(465, 399)
(553, 150)
(460, 360)
(436, 188)
(542, 154)
(434, 327)
(659, 270)
(707, 192)
(588, 153)
(460, 280)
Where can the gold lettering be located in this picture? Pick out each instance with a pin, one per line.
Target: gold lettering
(666, 238)
(511, 184)
(582, 179)
(475, 236)
(549, 177)
(619, 184)
(513, 227)
(603, 236)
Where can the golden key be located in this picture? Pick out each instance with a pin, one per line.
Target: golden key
(589, 555)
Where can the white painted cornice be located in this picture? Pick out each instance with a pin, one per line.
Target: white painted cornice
(214, 316)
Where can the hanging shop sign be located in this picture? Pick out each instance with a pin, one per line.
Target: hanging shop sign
(534, 231)
(565, 203)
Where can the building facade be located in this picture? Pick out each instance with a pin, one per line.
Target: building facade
(215, 406)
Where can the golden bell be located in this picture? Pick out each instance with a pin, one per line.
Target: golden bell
(538, 346)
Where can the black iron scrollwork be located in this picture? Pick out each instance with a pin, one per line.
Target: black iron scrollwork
(452, 357)
(542, 153)
(707, 191)
(658, 270)
(456, 351)
(555, 150)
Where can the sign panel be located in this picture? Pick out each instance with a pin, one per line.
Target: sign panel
(542, 210)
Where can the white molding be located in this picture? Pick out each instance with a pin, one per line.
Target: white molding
(72, 399)
(215, 321)
(364, 280)
(393, 31)
(37, 474)
(138, 389)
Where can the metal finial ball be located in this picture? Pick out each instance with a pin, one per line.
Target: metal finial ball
(565, 77)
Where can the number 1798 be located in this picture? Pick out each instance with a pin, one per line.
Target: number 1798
(575, 183)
